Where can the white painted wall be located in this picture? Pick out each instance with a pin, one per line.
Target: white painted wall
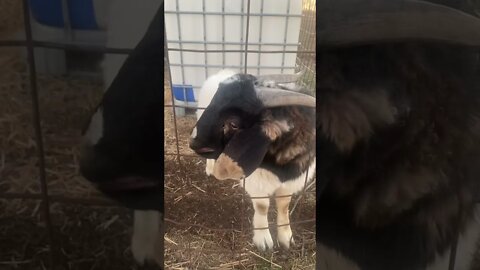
(192, 29)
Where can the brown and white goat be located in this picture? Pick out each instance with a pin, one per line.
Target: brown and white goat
(264, 138)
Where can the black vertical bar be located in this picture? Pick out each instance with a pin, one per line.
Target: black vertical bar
(167, 60)
(37, 126)
(260, 36)
(246, 34)
(241, 29)
(223, 33)
(205, 37)
(67, 25)
(285, 35)
(453, 253)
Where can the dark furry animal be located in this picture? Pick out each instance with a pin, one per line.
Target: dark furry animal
(122, 152)
(398, 143)
(282, 136)
(123, 148)
(263, 135)
(398, 134)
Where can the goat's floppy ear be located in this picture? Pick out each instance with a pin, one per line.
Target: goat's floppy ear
(242, 155)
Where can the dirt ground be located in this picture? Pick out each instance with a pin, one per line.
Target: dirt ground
(208, 225)
(205, 225)
(208, 222)
(86, 237)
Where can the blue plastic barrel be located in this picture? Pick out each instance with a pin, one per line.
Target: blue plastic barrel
(179, 92)
(49, 12)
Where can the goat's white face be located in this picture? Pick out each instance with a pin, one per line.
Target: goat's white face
(232, 113)
(233, 107)
(237, 111)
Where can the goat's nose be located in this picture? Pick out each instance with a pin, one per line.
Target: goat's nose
(199, 147)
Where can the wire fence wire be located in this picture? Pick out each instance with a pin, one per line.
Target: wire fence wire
(54, 247)
(46, 199)
(305, 62)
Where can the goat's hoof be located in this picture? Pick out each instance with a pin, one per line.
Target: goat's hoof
(285, 238)
(140, 256)
(263, 240)
(209, 166)
(286, 244)
(142, 252)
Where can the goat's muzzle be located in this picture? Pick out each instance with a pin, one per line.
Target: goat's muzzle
(199, 148)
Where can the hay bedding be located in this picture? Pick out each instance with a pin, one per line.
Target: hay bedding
(197, 206)
(184, 125)
(207, 203)
(65, 105)
(98, 237)
(87, 237)
(11, 17)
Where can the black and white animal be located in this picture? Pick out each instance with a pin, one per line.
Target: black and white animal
(206, 93)
(398, 144)
(122, 151)
(262, 136)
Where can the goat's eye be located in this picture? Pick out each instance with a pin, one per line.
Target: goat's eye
(233, 125)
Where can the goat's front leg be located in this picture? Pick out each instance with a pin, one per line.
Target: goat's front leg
(284, 232)
(261, 236)
(209, 166)
(147, 238)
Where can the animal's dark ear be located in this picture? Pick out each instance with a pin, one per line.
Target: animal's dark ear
(243, 154)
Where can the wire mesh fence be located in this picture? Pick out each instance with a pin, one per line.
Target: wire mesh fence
(54, 243)
(209, 221)
(50, 218)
